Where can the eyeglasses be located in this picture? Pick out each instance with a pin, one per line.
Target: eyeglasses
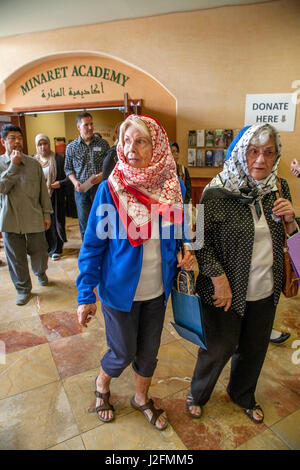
(15, 137)
(255, 152)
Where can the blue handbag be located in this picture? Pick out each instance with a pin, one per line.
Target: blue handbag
(187, 310)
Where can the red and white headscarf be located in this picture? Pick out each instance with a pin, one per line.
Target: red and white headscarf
(139, 191)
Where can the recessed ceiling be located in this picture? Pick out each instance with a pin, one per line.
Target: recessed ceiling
(20, 17)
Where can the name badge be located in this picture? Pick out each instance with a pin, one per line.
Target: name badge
(97, 149)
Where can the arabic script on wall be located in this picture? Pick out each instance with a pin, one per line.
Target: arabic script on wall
(65, 72)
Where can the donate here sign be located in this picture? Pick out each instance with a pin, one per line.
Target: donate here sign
(276, 109)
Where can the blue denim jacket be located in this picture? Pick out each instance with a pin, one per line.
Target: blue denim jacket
(112, 263)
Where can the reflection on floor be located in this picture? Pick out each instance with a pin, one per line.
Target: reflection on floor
(47, 379)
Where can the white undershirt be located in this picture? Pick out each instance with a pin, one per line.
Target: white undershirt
(261, 284)
(46, 172)
(150, 283)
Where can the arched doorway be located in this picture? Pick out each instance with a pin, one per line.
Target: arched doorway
(47, 94)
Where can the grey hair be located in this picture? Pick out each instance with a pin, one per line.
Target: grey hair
(262, 135)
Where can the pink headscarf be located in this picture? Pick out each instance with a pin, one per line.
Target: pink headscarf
(135, 190)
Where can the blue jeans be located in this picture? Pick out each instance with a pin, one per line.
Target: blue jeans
(84, 202)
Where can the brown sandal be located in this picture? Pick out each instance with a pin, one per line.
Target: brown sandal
(106, 406)
(155, 412)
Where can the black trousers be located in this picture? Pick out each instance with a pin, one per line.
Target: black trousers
(54, 241)
(244, 339)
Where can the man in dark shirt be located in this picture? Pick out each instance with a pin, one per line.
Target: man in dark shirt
(83, 166)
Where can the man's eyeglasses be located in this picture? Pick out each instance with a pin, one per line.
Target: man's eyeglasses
(13, 138)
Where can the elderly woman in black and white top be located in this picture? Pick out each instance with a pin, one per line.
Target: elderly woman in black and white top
(241, 265)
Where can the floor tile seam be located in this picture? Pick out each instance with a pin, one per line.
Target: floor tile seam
(258, 435)
(44, 332)
(284, 385)
(279, 436)
(25, 318)
(215, 419)
(64, 338)
(116, 419)
(27, 347)
(66, 440)
(29, 390)
(278, 420)
(168, 397)
(193, 354)
(266, 427)
(133, 411)
(39, 386)
(285, 417)
(71, 407)
(179, 341)
(169, 341)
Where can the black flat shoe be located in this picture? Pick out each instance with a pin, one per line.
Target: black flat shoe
(283, 337)
(188, 404)
(250, 413)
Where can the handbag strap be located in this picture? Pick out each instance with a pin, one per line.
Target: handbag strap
(279, 195)
(181, 270)
(188, 282)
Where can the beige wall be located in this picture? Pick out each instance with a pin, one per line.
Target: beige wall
(208, 59)
(53, 125)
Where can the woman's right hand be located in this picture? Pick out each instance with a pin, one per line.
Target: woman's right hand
(295, 167)
(222, 295)
(84, 313)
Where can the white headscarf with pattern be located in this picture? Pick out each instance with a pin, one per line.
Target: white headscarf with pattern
(235, 176)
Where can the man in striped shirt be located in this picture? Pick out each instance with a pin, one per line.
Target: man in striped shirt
(83, 166)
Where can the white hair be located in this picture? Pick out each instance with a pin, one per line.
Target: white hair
(262, 135)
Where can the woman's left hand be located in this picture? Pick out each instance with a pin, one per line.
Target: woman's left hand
(283, 207)
(187, 262)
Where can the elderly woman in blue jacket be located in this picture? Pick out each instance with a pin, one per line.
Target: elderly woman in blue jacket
(131, 252)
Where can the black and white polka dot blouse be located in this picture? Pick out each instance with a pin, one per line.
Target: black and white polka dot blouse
(228, 245)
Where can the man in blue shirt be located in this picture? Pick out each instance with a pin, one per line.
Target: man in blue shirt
(83, 166)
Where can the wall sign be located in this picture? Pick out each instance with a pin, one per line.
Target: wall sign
(45, 81)
(277, 109)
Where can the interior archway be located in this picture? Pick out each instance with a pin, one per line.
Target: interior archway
(76, 81)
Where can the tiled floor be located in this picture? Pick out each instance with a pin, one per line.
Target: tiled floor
(47, 379)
